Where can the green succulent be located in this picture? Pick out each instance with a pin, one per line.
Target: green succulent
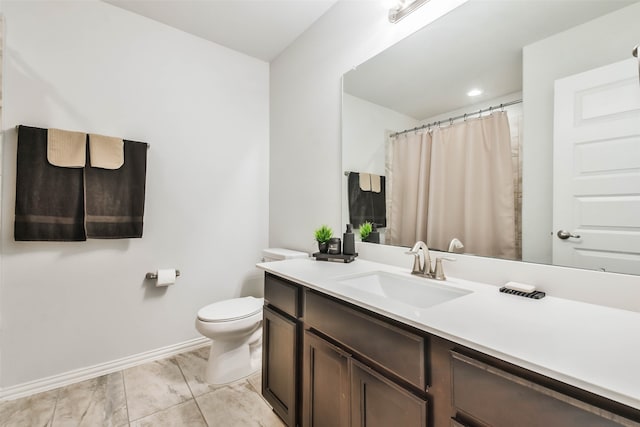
(365, 230)
(323, 234)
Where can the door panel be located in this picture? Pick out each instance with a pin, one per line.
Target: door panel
(325, 384)
(597, 169)
(377, 402)
(279, 366)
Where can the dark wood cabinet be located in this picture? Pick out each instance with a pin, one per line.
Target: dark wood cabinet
(365, 375)
(325, 384)
(370, 337)
(279, 364)
(330, 363)
(378, 402)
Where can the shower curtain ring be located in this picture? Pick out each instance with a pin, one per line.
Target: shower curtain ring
(465, 117)
(480, 113)
(502, 107)
(439, 124)
(450, 121)
(491, 110)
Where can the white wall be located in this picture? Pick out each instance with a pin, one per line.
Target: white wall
(364, 129)
(305, 150)
(596, 43)
(87, 65)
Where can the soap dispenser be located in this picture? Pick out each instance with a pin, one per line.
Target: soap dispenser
(348, 241)
(374, 236)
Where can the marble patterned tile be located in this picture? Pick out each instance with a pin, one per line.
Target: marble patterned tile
(153, 387)
(256, 382)
(95, 402)
(237, 405)
(36, 410)
(183, 414)
(193, 365)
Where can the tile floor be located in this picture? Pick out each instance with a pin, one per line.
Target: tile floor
(169, 392)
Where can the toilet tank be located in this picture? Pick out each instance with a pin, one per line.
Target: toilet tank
(278, 254)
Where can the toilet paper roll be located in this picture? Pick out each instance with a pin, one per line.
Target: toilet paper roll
(166, 277)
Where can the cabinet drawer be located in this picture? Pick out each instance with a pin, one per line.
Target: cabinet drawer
(499, 398)
(400, 352)
(282, 294)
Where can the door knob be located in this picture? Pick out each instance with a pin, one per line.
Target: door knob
(564, 234)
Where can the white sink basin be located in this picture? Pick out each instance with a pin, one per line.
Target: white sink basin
(414, 291)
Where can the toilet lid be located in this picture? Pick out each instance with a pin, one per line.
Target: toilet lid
(231, 309)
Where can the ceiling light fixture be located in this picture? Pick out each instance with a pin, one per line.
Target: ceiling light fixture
(404, 8)
(474, 92)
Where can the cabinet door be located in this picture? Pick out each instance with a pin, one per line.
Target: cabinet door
(376, 401)
(325, 384)
(279, 364)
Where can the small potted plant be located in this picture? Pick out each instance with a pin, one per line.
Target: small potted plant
(365, 230)
(323, 235)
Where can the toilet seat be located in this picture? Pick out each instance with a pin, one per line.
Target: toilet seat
(230, 310)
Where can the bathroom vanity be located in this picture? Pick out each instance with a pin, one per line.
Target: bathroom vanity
(342, 347)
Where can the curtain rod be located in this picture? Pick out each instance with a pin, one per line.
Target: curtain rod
(461, 116)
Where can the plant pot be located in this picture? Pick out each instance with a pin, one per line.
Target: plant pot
(323, 248)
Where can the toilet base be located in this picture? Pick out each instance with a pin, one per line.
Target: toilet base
(231, 361)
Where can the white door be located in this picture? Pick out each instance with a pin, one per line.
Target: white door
(597, 169)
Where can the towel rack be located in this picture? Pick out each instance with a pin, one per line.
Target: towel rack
(153, 276)
(18, 129)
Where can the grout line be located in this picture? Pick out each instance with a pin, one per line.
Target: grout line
(201, 413)
(55, 407)
(126, 399)
(184, 377)
(191, 391)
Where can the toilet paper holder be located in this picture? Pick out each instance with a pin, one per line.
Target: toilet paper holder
(153, 276)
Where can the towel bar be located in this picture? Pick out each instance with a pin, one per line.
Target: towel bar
(18, 129)
(153, 276)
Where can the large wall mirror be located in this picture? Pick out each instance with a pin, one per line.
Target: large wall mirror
(507, 129)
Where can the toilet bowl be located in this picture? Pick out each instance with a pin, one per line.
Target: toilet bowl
(235, 329)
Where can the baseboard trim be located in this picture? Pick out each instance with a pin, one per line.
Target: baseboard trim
(77, 375)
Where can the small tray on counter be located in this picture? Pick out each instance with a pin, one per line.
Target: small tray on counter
(334, 257)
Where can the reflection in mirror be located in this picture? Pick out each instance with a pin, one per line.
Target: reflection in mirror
(508, 129)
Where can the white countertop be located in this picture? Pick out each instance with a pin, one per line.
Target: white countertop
(592, 347)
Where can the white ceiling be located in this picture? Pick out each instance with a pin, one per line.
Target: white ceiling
(478, 44)
(259, 28)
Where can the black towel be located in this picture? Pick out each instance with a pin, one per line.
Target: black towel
(49, 199)
(366, 205)
(115, 197)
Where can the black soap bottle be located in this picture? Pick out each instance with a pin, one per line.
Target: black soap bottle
(348, 241)
(374, 236)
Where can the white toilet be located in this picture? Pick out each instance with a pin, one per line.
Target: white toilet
(235, 329)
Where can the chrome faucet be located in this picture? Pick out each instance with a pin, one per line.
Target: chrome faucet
(422, 266)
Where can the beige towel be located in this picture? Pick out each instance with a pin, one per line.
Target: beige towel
(66, 149)
(365, 182)
(106, 152)
(375, 183)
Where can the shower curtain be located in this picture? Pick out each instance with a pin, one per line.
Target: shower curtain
(461, 181)
(408, 165)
